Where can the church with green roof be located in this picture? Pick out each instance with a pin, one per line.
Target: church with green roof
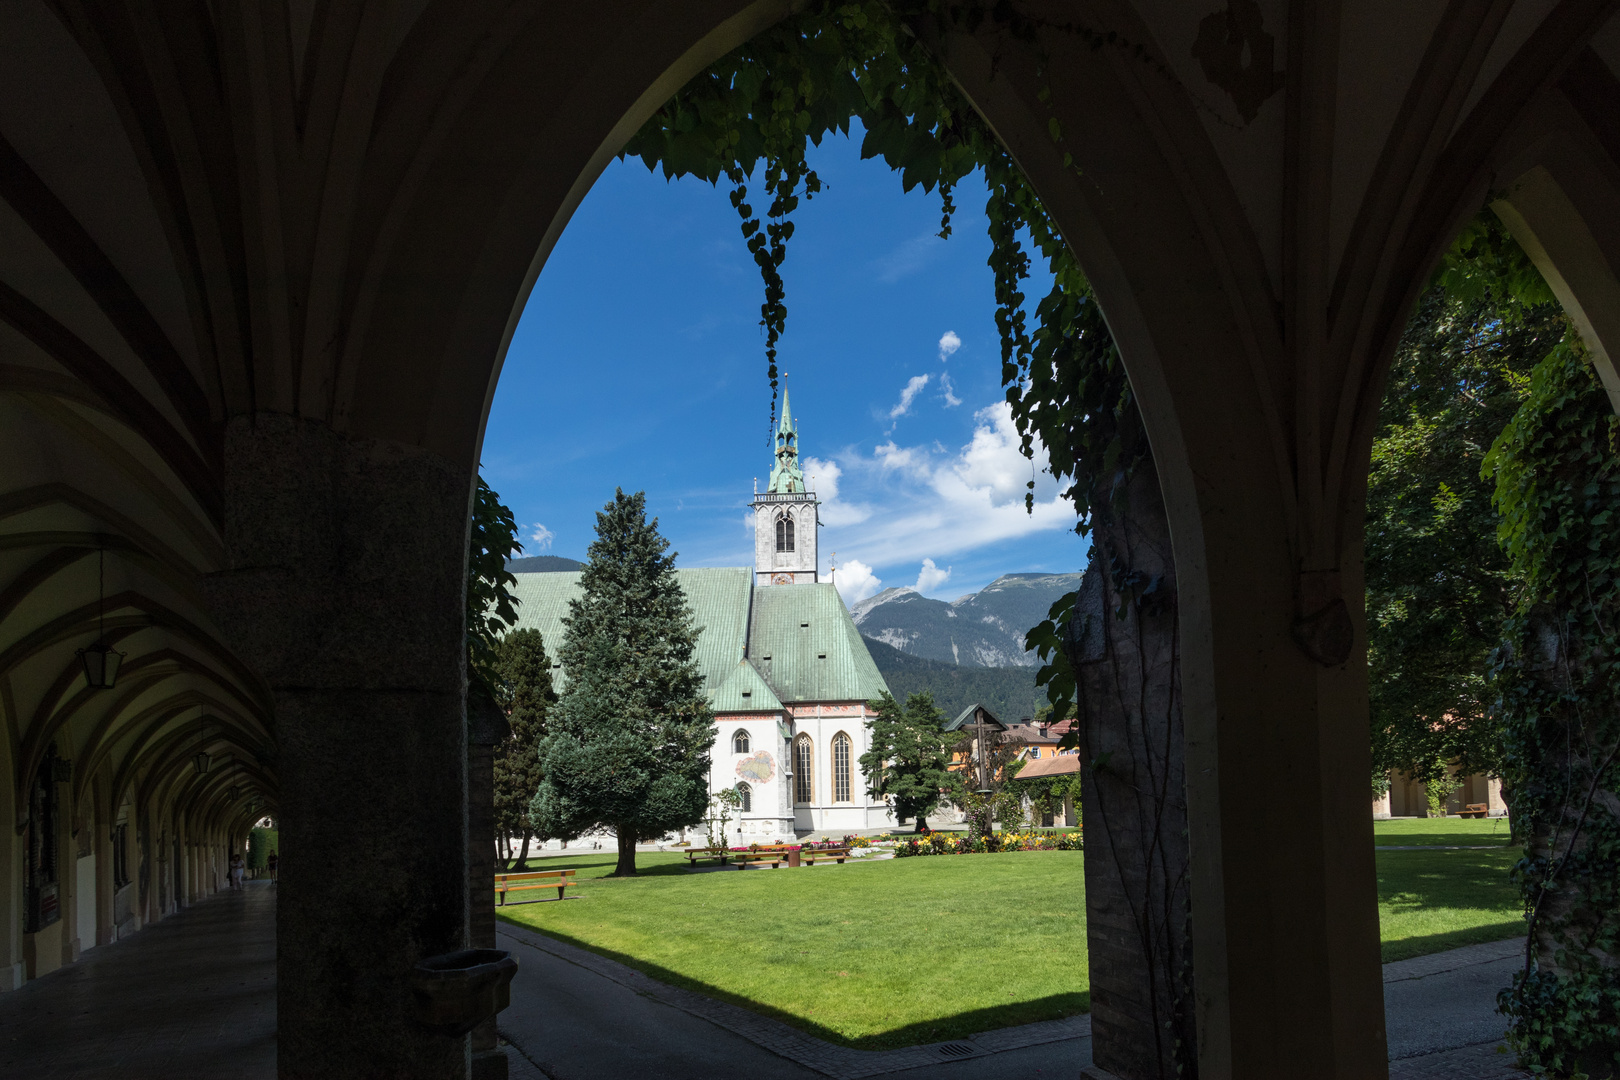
(786, 669)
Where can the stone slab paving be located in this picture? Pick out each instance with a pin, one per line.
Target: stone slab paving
(193, 996)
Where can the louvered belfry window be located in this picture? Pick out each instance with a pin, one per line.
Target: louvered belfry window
(840, 751)
(784, 533)
(804, 760)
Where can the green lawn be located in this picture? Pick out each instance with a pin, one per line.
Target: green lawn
(1429, 901)
(873, 955)
(885, 954)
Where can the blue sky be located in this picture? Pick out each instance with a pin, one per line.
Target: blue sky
(639, 363)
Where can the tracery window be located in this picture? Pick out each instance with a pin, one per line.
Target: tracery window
(804, 760)
(739, 742)
(784, 533)
(746, 793)
(840, 752)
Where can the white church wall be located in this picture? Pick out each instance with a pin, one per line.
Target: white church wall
(771, 813)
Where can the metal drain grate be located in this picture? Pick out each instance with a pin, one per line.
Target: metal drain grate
(955, 1049)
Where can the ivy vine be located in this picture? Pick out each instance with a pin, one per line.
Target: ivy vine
(810, 76)
(1557, 684)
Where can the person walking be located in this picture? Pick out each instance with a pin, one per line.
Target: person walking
(270, 864)
(237, 866)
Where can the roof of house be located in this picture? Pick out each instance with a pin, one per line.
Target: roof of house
(807, 647)
(745, 691)
(966, 718)
(718, 598)
(796, 642)
(1059, 765)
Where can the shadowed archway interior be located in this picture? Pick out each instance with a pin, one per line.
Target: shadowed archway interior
(259, 265)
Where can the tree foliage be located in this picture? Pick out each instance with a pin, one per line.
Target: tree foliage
(1438, 584)
(1557, 681)
(907, 760)
(524, 671)
(491, 607)
(628, 742)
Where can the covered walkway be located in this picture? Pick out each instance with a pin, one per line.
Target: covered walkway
(192, 996)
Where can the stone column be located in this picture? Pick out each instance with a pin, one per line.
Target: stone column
(345, 592)
(486, 728)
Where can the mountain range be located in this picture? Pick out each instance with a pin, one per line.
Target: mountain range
(1008, 692)
(983, 629)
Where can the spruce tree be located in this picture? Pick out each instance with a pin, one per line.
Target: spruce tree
(627, 745)
(907, 761)
(524, 671)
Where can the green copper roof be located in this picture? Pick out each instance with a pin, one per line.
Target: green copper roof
(806, 645)
(745, 691)
(786, 475)
(799, 642)
(718, 598)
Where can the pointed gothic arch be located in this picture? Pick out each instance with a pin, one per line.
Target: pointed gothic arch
(804, 764)
(842, 748)
(784, 531)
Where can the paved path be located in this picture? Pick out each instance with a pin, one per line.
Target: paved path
(194, 996)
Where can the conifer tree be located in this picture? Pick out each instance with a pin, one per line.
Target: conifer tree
(627, 745)
(524, 671)
(907, 760)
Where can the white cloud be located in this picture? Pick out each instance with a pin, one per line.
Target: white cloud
(540, 537)
(993, 461)
(908, 395)
(935, 502)
(833, 511)
(948, 344)
(825, 475)
(855, 582)
(889, 456)
(951, 400)
(908, 258)
(931, 577)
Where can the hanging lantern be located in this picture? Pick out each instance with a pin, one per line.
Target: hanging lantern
(201, 761)
(101, 660)
(100, 665)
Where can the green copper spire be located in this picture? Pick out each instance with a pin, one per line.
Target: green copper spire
(786, 476)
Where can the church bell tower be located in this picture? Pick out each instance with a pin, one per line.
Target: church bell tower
(785, 520)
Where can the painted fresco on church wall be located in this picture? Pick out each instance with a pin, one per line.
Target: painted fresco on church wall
(760, 767)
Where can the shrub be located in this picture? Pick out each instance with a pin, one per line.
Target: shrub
(968, 844)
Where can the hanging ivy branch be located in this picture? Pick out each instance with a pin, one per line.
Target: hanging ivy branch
(810, 76)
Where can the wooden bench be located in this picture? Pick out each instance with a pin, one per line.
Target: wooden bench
(775, 856)
(696, 854)
(1477, 809)
(534, 879)
(809, 855)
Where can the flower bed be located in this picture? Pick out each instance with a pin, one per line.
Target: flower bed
(940, 843)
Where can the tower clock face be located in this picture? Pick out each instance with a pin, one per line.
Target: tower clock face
(782, 579)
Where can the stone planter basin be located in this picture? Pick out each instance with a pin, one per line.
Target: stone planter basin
(455, 992)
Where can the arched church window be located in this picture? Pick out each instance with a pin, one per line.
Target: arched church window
(739, 742)
(746, 794)
(840, 751)
(784, 533)
(804, 760)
